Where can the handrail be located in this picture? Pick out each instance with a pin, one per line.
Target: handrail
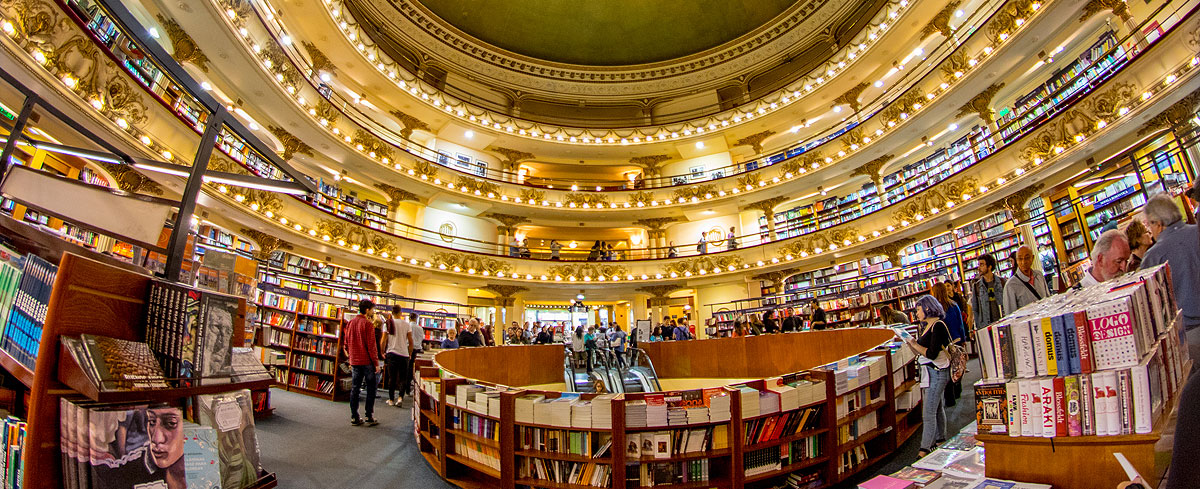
(982, 15)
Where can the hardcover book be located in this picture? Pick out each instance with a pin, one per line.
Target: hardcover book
(120, 364)
(232, 415)
(201, 458)
(991, 408)
(1113, 339)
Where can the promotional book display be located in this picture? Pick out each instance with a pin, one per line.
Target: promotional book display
(1096, 369)
(809, 429)
(157, 386)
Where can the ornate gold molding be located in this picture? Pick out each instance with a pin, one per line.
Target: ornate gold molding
(366, 142)
(396, 195)
(326, 111)
(891, 250)
(424, 168)
(481, 264)
(803, 164)
(586, 269)
(659, 293)
(357, 237)
(507, 221)
(900, 108)
(703, 265)
(1004, 21)
(512, 158)
(262, 200)
(241, 8)
(35, 21)
(655, 223)
(933, 200)
(505, 294)
(531, 195)
(853, 139)
(1015, 203)
(320, 62)
(129, 180)
(981, 104)
(477, 186)
(749, 180)
(267, 243)
(694, 192)
(186, 49)
(776, 277)
(1176, 114)
(767, 206)
(291, 144)
(941, 21)
(1118, 7)
(643, 197)
(410, 123)
(872, 169)
(585, 198)
(650, 164)
(851, 97)
(755, 140)
(812, 243)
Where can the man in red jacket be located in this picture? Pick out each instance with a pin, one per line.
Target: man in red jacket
(359, 338)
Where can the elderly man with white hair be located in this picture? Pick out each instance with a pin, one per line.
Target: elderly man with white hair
(1026, 286)
(1109, 257)
(1177, 244)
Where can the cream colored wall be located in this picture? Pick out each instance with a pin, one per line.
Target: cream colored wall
(714, 294)
(688, 233)
(709, 162)
(424, 290)
(748, 225)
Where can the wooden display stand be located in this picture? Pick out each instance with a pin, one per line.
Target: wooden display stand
(88, 297)
(436, 437)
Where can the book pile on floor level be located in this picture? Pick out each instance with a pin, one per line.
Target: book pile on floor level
(958, 463)
(1102, 360)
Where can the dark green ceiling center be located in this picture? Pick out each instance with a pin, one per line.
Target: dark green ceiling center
(606, 32)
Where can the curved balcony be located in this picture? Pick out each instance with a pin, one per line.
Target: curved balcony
(1008, 169)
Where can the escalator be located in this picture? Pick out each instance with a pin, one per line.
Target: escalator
(611, 372)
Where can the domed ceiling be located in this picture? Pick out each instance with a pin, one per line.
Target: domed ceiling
(611, 63)
(606, 33)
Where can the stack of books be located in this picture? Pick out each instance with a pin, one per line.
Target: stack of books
(635, 413)
(1103, 360)
(602, 411)
(656, 410)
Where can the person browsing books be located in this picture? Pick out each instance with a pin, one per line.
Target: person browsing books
(1177, 244)
(451, 340)
(398, 340)
(1024, 287)
(932, 339)
(817, 320)
(471, 336)
(986, 293)
(958, 334)
(1110, 255)
(363, 352)
(892, 316)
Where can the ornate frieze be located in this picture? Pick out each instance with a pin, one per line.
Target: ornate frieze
(1118, 7)
(366, 142)
(849, 98)
(703, 265)
(291, 144)
(267, 243)
(933, 200)
(813, 243)
(532, 195)
(477, 186)
(410, 123)
(1015, 203)
(580, 270)
(941, 21)
(690, 192)
(320, 62)
(129, 180)
(396, 195)
(422, 168)
(643, 198)
(981, 104)
(357, 237)
(650, 164)
(464, 262)
(1176, 114)
(512, 158)
(749, 180)
(589, 199)
(755, 140)
(186, 49)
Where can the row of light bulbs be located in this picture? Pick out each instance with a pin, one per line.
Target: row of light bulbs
(841, 154)
(439, 100)
(1166, 81)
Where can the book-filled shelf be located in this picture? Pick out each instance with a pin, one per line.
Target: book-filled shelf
(302, 339)
(110, 350)
(348, 205)
(810, 429)
(1093, 371)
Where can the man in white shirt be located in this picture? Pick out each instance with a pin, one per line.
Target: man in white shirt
(418, 344)
(1024, 287)
(398, 339)
(1109, 258)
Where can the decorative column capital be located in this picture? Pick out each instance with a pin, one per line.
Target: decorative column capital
(506, 295)
(396, 195)
(891, 250)
(386, 275)
(1015, 203)
(755, 140)
(655, 223)
(291, 144)
(506, 220)
(659, 294)
(767, 206)
(266, 243)
(941, 21)
(650, 164)
(185, 48)
(512, 157)
(872, 168)
(320, 62)
(981, 104)
(1118, 7)
(851, 96)
(410, 123)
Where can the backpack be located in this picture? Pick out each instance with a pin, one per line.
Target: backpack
(958, 358)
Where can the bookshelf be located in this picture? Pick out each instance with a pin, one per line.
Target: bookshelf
(307, 335)
(779, 428)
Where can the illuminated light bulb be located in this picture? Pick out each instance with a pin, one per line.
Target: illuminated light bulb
(803, 254)
(875, 233)
(1019, 171)
(1003, 36)
(312, 232)
(1146, 95)
(1123, 111)
(239, 197)
(760, 263)
(891, 123)
(1171, 78)
(283, 220)
(1101, 124)
(1079, 138)
(891, 228)
(341, 242)
(1058, 150)
(949, 204)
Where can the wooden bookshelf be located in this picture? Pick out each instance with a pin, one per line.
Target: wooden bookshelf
(293, 353)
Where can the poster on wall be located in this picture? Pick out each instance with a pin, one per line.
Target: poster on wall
(643, 330)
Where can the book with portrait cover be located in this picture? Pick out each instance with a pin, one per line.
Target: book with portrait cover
(213, 354)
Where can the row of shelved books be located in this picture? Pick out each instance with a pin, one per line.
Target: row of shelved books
(211, 443)
(477, 452)
(25, 285)
(276, 318)
(856, 371)
(673, 443)
(1106, 403)
(849, 460)
(314, 345)
(771, 428)
(475, 424)
(774, 458)
(191, 332)
(322, 365)
(1114, 324)
(958, 463)
(852, 430)
(476, 398)
(583, 443)
(671, 473)
(317, 327)
(309, 382)
(13, 441)
(564, 472)
(678, 408)
(857, 401)
(778, 396)
(300, 306)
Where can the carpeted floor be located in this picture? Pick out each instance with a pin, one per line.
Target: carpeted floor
(310, 444)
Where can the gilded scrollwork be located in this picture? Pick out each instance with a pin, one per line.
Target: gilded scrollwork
(691, 192)
(368, 143)
(267, 243)
(755, 140)
(121, 100)
(481, 264)
(396, 195)
(320, 62)
(899, 108)
(532, 195)
(702, 265)
(941, 21)
(1007, 18)
(585, 198)
(818, 242)
(1015, 203)
(424, 169)
(640, 197)
(185, 48)
(477, 186)
(324, 110)
(981, 104)
(650, 164)
(1176, 114)
(1118, 7)
(933, 200)
(891, 250)
(581, 270)
(512, 158)
(129, 180)
(355, 237)
(410, 123)
(291, 144)
(850, 98)
(749, 180)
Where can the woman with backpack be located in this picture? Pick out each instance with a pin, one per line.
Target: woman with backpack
(931, 343)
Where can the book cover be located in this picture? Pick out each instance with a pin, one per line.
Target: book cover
(146, 443)
(121, 365)
(213, 355)
(1031, 408)
(987, 355)
(1112, 403)
(1083, 340)
(1113, 339)
(662, 444)
(991, 407)
(1023, 353)
(1004, 339)
(886, 482)
(1012, 391)
(995, 484)
(1125, 401)
(232, 415)
(921, 477)
(200, 455)
(1074, 425)
(1051, 365)
(1060, 407)
(1087, 412)
(1046, 396)
(1071, 343)
(1060, 343)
